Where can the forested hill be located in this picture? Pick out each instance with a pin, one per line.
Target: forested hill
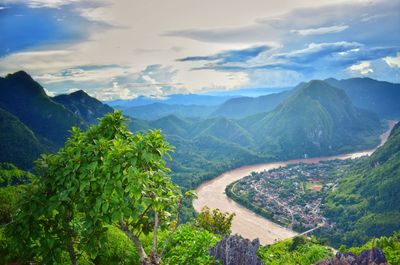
(26, 99)
(367, 203)
(33, 123)
(316, 119)
(378, 96)
(81, 104)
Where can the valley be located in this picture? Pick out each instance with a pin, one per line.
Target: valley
(247, 223)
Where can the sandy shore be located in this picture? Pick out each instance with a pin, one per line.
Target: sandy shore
(247, 223)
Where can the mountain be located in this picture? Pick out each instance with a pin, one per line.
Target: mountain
(27, 100)
(366, 202)
(245, 106)
(83, 105)
(158, 110)
(33, 123)
(177, 99)
(378, 96)
(18, 144)
(316, 119)
(248, 92)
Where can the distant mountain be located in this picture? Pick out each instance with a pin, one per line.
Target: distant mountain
(245, 106)
(83, 105)
(158, 110)
(366, 202)
(18, 144)
(27, 100)
(316, 119)
(177, 99)
(378, 96)
(248, 92)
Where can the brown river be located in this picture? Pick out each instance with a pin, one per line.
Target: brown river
(246, 223)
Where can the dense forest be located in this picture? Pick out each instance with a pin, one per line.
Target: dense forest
(103, 195)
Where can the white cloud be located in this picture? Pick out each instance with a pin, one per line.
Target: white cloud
(393, 62)
(363, 68)
(321, 30)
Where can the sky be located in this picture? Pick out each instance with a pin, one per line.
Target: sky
(120, 49)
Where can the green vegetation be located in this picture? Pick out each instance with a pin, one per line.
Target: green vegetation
(104, 176)
(18, 144)
(214, 221)
(366, 202)
(378, 96)
(27, 100)
(390, 246)
(87, 108)
(296, 251)
(241, 107)
(188, 245)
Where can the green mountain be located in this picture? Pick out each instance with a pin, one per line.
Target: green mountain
(366, 202)
(83, 105)
(18, 144)
(241, 107)
(27, 100)
(33, 123)
(378, 96)
(317, 119)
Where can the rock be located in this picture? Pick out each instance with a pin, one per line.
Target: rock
(367, 257)
(235, 250)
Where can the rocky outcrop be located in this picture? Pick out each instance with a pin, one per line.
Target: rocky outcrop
(235, 250)
(373, 256)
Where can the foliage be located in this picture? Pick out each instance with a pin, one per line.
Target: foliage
(105, 175)
(189, 246)
(298, 251)
(366, 203)
(18, 144)
(116, 249)
(214, 221)
(389, 245)
(13, 184)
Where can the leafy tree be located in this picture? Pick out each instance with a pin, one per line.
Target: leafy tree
(214, 221)
(105, 175)
(187, 245)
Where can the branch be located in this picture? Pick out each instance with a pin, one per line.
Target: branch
(154, 249)
(136, 241)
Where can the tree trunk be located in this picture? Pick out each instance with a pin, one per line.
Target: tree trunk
(72, 254)
(144, 259)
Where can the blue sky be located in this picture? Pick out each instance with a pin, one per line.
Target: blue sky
(127, 48)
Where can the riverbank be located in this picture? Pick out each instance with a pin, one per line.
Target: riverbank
(247, 223)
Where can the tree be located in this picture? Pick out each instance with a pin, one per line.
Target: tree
(214, 221)
(105, 175)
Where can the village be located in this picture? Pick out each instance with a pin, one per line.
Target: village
(293, 194)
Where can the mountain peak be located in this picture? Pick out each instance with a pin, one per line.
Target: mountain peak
(20, 75)
(79, 93)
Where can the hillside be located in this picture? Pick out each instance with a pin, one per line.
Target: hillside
(83, 105)
(245, 106)
(366, 203)
(27, 100)
(33, 123)
(378, 96)
(18, 144)
(316, 119)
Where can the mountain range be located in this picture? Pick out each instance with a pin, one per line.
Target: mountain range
(377, 96)
(34, 123)
(312, 119)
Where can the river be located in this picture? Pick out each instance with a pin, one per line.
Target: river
(246, 223)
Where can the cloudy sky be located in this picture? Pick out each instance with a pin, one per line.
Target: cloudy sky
(126, 48)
